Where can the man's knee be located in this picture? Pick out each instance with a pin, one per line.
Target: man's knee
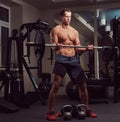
(57, 81)
(83, 86)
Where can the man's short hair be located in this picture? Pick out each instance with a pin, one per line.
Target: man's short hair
(62, 12)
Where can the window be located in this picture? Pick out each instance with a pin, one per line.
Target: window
(4, 32)
(4, 14)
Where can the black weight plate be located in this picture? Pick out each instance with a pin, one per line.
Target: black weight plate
(40, 48)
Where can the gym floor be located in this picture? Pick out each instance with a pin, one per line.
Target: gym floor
(106, 112)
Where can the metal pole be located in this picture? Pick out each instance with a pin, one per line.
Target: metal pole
(96, 56)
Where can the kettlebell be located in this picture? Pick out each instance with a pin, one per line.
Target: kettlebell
(67, 112)
(81, 109)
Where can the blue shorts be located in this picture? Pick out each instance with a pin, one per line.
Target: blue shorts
(70, 65)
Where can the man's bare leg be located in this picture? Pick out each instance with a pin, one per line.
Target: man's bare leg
(53, 92)
(84, 99)
(84, 94)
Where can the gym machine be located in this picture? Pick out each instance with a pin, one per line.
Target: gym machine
(10, 79)
(115, 24)
(40, 27)
(14, 84)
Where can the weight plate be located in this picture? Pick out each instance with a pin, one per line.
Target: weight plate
(40, 49)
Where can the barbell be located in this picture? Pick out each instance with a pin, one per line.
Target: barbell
(66, 46)
(43, 45)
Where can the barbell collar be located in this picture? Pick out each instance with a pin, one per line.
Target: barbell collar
(67, 46)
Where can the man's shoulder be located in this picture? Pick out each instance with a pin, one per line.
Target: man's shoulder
(56, 28)
(73, 29)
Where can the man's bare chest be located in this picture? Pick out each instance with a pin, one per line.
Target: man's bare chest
(66, 35)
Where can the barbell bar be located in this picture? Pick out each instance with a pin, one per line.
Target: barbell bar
(69, 46)
(40, 47)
